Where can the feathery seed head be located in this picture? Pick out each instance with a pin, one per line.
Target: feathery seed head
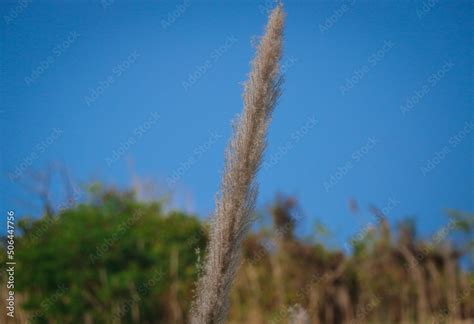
(243, 156)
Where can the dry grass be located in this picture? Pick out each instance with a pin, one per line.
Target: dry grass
(236, 203)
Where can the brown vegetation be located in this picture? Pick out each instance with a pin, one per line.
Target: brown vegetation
(386, 281)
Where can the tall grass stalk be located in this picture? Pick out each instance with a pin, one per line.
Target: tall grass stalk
(238, 192)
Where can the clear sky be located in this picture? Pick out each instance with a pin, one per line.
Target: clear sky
(377, 103)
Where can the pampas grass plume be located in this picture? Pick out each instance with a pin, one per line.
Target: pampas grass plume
(238, 192)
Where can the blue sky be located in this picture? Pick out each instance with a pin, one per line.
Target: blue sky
(377, 103)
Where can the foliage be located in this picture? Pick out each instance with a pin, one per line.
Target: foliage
(116, 259)
(108, 259)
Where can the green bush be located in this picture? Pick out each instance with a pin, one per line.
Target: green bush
(107, 260)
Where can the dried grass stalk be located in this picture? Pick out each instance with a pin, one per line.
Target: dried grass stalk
(234, 207)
